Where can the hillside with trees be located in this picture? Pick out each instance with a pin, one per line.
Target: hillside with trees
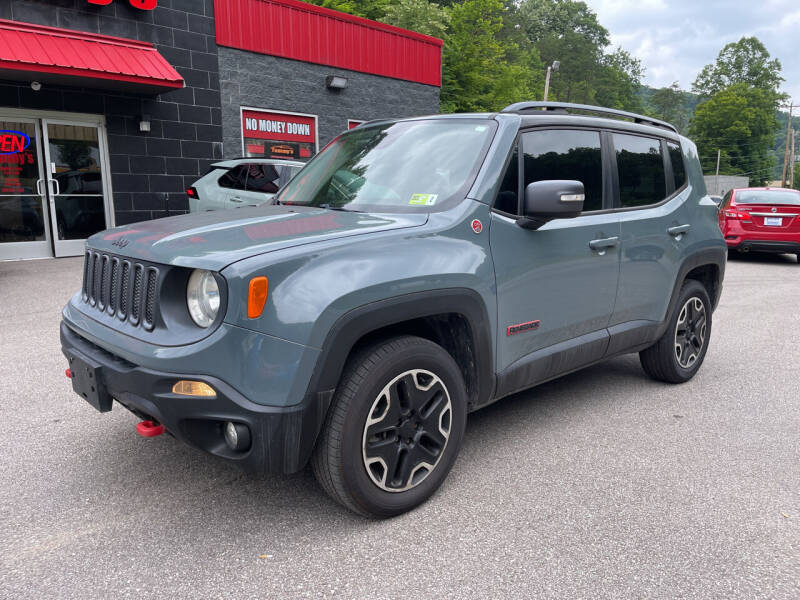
(496, 52)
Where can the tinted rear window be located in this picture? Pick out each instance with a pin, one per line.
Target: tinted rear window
(768, 197)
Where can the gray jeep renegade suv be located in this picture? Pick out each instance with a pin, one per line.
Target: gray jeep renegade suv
(415, 270)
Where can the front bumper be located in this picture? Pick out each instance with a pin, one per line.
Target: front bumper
(282, 438)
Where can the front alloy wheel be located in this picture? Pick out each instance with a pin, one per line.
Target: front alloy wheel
(394, 427)
(407, 430)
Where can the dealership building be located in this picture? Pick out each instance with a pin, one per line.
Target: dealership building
(110, 109)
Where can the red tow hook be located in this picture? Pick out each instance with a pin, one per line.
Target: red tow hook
(68, 373)
(149, 429)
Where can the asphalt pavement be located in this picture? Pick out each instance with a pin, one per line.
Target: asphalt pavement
(602, 484)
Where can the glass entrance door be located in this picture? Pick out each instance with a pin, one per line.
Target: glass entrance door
(76, 183)
(24, 226)
(54, 183)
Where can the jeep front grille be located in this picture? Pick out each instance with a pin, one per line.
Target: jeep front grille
(122, 287)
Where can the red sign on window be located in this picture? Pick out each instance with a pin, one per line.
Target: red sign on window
(353, 123)
(279, 135)
(141, 4)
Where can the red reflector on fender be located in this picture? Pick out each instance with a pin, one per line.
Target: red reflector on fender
(68, 373)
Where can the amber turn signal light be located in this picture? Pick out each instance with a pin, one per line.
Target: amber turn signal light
(257, 297)
(193, 388)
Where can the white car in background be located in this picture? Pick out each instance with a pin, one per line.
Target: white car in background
(240, 182)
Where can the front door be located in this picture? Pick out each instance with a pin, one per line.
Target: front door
(24, 223)
(76, 183)
(54, 183)
(556, 285)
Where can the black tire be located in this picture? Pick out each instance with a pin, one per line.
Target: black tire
(340, 457)
(662, 360)
(798, 258)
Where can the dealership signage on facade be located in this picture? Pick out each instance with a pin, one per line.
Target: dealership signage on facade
(274, 134)
(142, 4)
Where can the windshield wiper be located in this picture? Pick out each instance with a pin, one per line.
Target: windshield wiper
(339, 208)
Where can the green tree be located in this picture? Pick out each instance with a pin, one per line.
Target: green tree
(541, 19)
(369, 9)
(419, 15)
(618, 81)
(740, 122)
(669, 104)
(477, 75)
(746, 61)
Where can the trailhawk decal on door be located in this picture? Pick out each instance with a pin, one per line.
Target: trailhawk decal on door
(522, 328)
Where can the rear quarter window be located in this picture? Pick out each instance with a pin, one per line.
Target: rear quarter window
(678, 167)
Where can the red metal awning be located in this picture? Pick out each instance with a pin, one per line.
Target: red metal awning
(49, 54)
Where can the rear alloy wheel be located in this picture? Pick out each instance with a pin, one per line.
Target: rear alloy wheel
(680, 351)
(394, 428)
(690, 332)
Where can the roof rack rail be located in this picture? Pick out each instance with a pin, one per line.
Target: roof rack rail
(566, 107)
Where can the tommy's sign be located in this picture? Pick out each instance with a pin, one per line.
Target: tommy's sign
(141, 4)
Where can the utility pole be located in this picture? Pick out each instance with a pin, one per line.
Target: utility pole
(791, 162)
(716, 181)
(550, 69)
(786, 151)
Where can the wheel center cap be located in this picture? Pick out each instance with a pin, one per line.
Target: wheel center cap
(407, 429)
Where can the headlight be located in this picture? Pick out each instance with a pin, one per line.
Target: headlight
(202, 297)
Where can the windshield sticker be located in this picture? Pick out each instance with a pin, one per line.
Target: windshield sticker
(423, 199)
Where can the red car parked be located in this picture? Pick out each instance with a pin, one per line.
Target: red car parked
(761, 220)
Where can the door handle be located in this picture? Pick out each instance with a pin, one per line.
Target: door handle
(601, 244)
(39, 190)
(236, 199)
(56, 187)
(678, 230)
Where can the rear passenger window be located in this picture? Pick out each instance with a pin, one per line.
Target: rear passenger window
(263, 178)
(235, 178)
(566, 154)
(508, 195)
(678, 169)
(641, 170)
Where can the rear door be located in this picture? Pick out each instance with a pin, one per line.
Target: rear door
(651, 194)
(232, 185)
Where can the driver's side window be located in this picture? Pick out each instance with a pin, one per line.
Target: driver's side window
(566, 154)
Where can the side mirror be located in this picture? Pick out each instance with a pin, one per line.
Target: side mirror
(548, 200)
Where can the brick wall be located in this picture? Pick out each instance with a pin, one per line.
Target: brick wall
(260, 81)
(150, 171)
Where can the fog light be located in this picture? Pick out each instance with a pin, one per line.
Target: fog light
(193, 388)
(237, 436)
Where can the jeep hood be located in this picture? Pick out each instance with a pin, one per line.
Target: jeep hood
(214, 240)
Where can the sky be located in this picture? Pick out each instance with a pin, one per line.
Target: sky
(674, 39)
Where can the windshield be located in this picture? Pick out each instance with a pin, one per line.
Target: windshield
(411, 166)
(784, 197)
